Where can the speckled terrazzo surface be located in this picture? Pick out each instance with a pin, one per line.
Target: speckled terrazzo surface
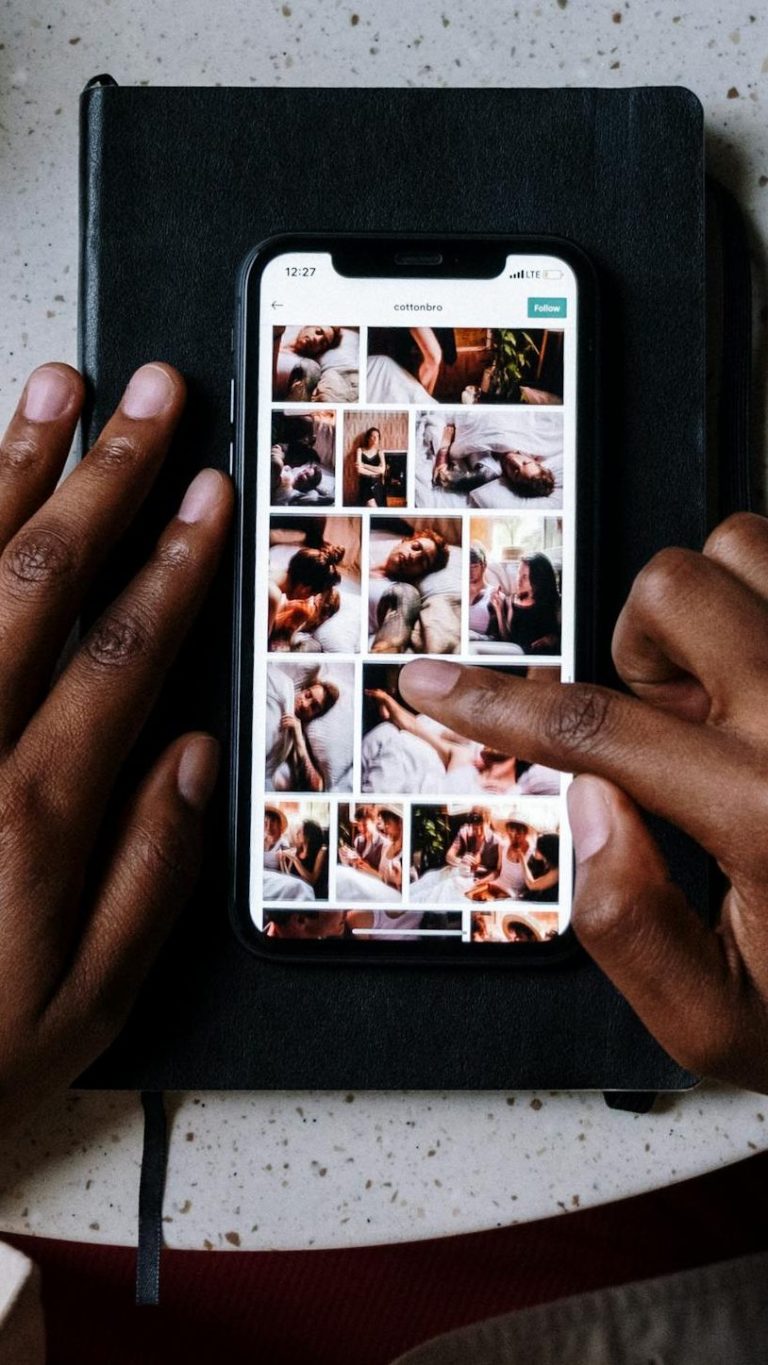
(333, 1170)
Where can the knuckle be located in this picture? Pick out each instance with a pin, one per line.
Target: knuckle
(19, 455)
(739, 532)
(174, 554)
(664, 578)
(118, 638)
(578, 715)
(162, 855)
(113, 453)
(36, 558)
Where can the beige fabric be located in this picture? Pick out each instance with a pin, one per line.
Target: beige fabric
(22, 1334)
(714, 1316)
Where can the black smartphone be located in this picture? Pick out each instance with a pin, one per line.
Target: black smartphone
(409, 474)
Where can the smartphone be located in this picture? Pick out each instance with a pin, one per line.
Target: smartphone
(416, 476)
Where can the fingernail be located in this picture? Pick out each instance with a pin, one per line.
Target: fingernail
(149, 392)
(201, 497)
(426, 679)
(590, 817)
(198, 770)
(48, 394)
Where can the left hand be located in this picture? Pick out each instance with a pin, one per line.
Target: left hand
(86, 902)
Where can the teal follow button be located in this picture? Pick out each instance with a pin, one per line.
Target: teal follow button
(547, 308)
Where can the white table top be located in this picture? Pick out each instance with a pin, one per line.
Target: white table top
(291, 1170)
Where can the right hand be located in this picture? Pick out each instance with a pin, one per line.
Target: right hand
(691, 746)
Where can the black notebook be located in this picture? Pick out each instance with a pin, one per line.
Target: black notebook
(177, 186)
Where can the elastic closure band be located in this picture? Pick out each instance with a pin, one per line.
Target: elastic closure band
(151, 1190)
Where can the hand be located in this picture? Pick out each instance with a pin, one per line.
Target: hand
(383, 701)
(691, 746)
(86, 903)
(291, 723)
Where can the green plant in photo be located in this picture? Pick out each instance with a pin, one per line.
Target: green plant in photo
(515, 355)
(431, 836)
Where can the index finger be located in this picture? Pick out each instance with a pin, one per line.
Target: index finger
(672, 767)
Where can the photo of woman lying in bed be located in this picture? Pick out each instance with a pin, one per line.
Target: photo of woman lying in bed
(370, 853)
(408, 753)
(303, 459)
(514, 585)
(414, 591)
(431, 365)
(314, 584)
(308, 732)
(315, 364)
(485, 853)
(490, 458)
(296, 851)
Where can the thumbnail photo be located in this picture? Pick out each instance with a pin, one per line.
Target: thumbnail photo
(315, 364)
(370, 853)
(303, 459)
(414, 592)
(490, 458)
(486, 852)
(375, 458)
(374, 924)
(296, 837)
(515, 569)
(432, 365)
(495, 926)
(406, 753)
(314, 584)
(309, 737)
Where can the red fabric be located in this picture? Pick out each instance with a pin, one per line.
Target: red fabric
(364, 1307)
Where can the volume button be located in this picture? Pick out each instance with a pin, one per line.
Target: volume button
(231, 460)
(231, 402)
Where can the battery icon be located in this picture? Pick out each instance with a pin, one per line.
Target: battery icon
(552, 274)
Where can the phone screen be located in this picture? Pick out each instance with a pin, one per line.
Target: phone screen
(416, 470)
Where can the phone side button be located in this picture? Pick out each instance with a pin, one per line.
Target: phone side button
(231, 460)
(231, 402)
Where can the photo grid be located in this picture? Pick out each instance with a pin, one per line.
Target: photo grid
(416, 508)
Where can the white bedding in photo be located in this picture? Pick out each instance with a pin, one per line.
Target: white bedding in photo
(329, 737)
(482, 434)
(354, 887)
(279, 886)
(441, 588)
(442, 886)
(394, 760)
(340, 634)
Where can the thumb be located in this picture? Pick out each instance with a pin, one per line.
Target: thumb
(640, 929)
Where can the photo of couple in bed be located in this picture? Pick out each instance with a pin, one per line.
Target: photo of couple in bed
(314, 584)
(489, 852)
(515, 572)
(315, 364)
(414, 585)
(309, 736)
(370, 853)
(469, 365)
(303, 459)
(490, 458)
(296, 840)
(411, 754)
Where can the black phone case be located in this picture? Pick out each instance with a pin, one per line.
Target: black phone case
(375, 251)
(177, 185)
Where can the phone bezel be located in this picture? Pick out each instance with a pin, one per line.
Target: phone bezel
(366, 251)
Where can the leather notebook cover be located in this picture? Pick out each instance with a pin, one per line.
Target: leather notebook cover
(177, 185)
